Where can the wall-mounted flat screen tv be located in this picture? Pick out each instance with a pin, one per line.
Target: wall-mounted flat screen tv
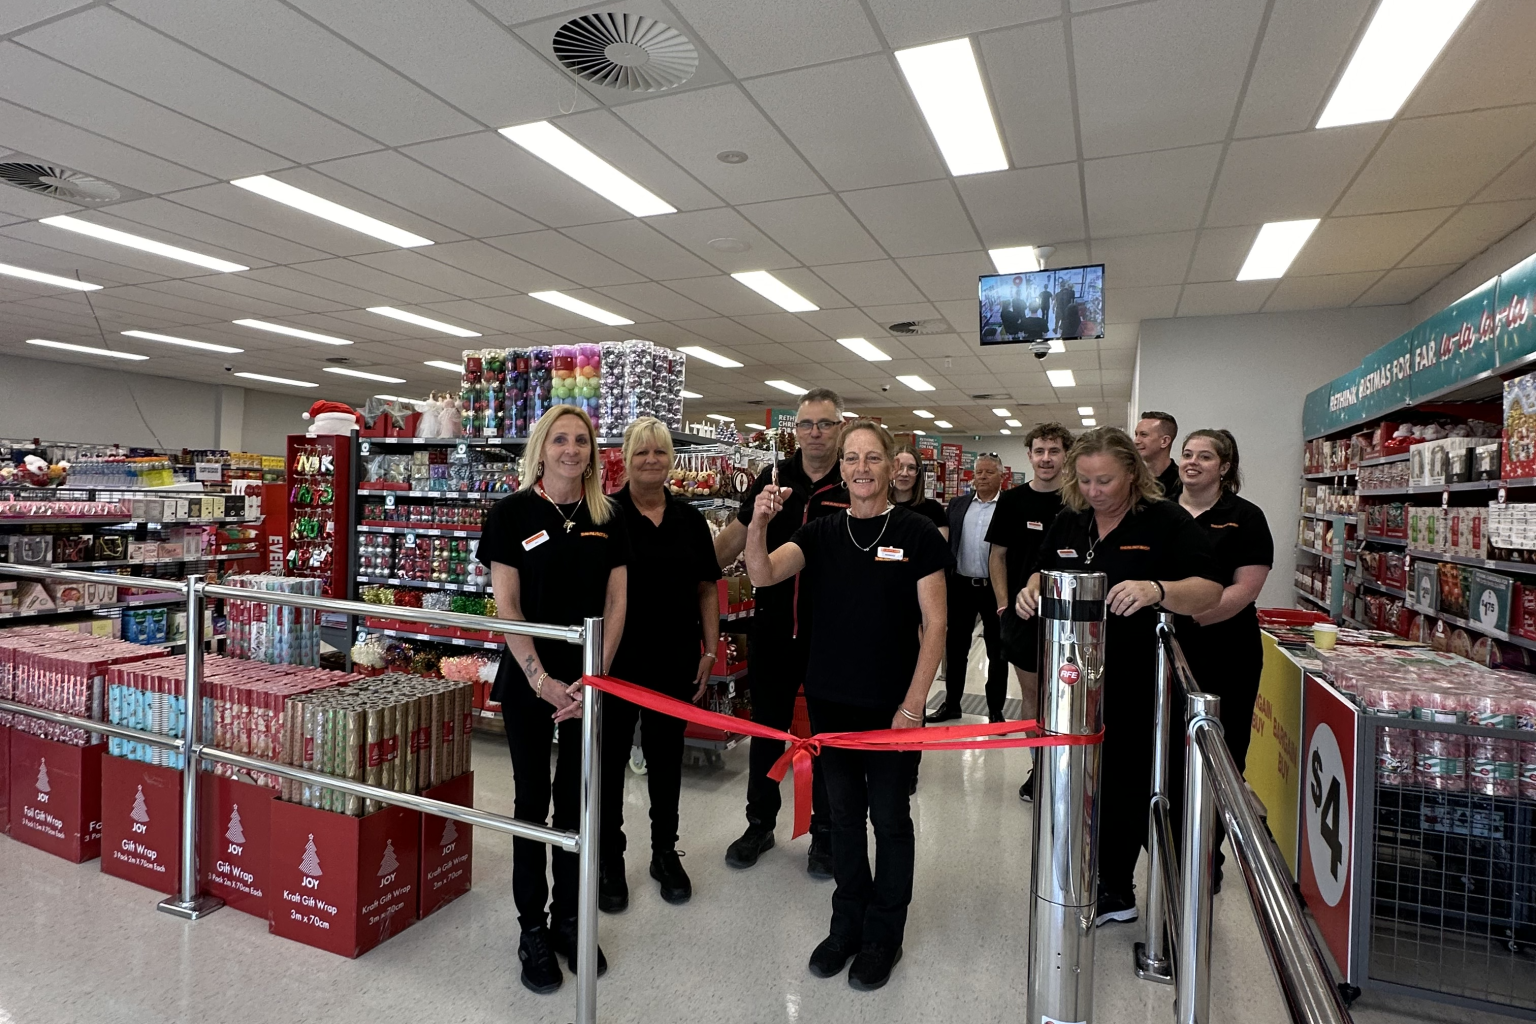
(1042, 305)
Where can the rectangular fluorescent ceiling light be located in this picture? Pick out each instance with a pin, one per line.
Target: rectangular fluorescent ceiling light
(184, 342)
(861, 347)
(293, 332)
(365, 376)
(692, 394)
(722, 419)
(42, 278)
(1085, 410)
(755, 426)
(1274, 249)
(850, 415)
(784, 385)
(777, 292)
(700, 352)
(564, 153)
(1402, 41)
(423, 321)
(327, 210)
(443, 364)
(580, 308)
(396, 398)
(944, 424)
(1061, 378)
(174, 252)
(1089, 421)
(1001, 412)
(924, 413)
(1015, 423)
(278, 380)
(1017, 259)
(947, 83)
(915, 382)
(84, 348)
(1005, 430)
(1057, 345)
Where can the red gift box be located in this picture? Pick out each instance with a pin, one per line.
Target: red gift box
(407, 428)
(141, 823)
(340, 883)
(447, 847)
(236, 842)
(56, 796)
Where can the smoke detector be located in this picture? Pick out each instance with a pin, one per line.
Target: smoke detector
(632, 52)
(58, 182)
(919, 327)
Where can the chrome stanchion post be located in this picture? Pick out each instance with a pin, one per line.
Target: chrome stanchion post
(1152, 961)
(1192, 1004)
(1066, 798)
(591, 802)
(190, 902)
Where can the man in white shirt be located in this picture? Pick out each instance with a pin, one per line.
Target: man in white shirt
(970, 592)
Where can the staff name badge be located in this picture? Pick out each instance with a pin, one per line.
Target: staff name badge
(1066, 553)
(889, 554)
(535, 540)
(1035, 525)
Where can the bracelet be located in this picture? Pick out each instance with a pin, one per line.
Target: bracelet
(538, 684)
(1162, 594)
(909, 716)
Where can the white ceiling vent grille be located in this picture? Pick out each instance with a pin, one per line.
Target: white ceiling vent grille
(920, 327)
(631, 52)
(58, 183)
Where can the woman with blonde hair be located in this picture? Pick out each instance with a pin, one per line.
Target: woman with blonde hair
(1117, 522)
(557, 552)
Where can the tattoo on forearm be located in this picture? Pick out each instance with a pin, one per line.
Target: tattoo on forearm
(528, 664)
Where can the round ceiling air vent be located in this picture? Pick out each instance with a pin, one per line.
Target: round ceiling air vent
(58, 183)
(625, 51)
(920, 327)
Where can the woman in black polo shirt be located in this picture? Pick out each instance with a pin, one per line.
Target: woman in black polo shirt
(671, 629)
(557, 552)
(907, 489)
(876, 573)
(1117, 522)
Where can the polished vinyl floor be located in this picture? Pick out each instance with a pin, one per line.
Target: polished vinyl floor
(78, 946)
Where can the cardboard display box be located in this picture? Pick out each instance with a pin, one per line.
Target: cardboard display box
(447, 848)
(141, 823)
(56, 796)
(235, 842)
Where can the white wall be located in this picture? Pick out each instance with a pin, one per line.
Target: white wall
(1250, 374)
(270, 418)
(1491, 262)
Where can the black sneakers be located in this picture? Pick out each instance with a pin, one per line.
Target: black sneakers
(563, 941)
(667, 869)
(754, 842)
(872, 967)
(1114, 906)
(541, 971)
(1027, 791)
(831, 955)
(612, 889)
(818, 861)
(944, 714)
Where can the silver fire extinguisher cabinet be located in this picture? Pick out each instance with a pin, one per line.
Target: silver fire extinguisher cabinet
(1064, 885)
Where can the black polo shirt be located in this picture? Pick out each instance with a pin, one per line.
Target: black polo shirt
(1240, 535)
(662, 628)
(562, 574)
(929, 509)
(775, 610)
(1019, 524)
(1157, 540)
(1172, 483)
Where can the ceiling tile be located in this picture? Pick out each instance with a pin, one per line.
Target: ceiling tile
(617, 142)
(1404, 285)
(1131, 305)
(755, 39)
(1145, 80)
(1470, 230)
(1423, 163)
(1342, 245)
(152, 263)
(694, 230)
(1143, 260)
(566, 257)
(264, 299)
(1220, 298)
(1517, 182)
(1488, 60)
(692, 127)
(118, 49)
(902, 311)
(1025, 207)
(782, 327)
(922, 219)
(637, 245)
(407, 184)
(1289, 177)
(951, 277)
(416, 267)
(725, 331)
(1148, 192)
(1305, 45)
(725, 295)
(276, 45)
(844, 323)
(915, 22)
(239, 206)
(1031, 90)
(815, 229)
(656, 300)
(1330, 292)
(875, 282)
(202, 229)
(85, 151)
(871, 136)
(18, 14)
(478, 316)
(1219, 253)
(494, 265)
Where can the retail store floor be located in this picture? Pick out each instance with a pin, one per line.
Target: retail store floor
(78, 946)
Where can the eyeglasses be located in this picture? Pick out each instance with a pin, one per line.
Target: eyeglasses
(821, 425)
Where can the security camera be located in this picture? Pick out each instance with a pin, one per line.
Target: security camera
(885, 387)
(1040, 348)
(229, 367)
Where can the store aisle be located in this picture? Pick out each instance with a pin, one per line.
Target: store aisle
(79, 946)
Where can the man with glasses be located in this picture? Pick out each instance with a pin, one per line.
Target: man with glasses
(970, 592)
(810, 486)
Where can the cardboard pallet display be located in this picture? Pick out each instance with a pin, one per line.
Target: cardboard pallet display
(56, 796)
(447, 848)
(235, 845)
(141, 823)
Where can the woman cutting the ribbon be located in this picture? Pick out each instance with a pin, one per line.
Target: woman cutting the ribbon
(876, 575)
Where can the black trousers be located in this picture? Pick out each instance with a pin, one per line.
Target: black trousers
(966, 601)
(1125, 795)
(1230, 667)
(777, 673)
(867, 908)
(661, 737)
(530, 732)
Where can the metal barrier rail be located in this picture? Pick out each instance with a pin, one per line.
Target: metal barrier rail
(1180, 913)
(191, 903)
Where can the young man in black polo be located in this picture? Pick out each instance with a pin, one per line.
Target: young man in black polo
(1155, 434)
(780, 623)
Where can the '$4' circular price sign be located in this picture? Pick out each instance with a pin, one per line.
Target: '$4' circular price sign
(1327, 803)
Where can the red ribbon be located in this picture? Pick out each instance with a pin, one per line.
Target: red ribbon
(801, 750)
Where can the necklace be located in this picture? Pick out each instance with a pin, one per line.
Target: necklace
(848, 522)
(570, 520)
(1093, 541)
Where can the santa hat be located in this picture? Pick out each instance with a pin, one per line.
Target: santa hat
(336, 407)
